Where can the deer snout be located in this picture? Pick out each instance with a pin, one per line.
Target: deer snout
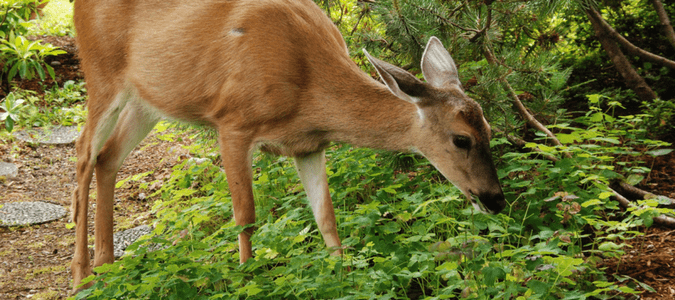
(493, 201)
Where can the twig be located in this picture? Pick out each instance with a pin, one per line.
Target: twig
(521, 143)
(661, 234)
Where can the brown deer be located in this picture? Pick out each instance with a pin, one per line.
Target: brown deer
(274, 74)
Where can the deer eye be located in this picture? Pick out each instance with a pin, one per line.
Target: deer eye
(462, 142)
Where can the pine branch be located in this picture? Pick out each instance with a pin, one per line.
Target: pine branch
(520, 107)
(483, 32)
(364, 11)
(400, 16)
(446, 20)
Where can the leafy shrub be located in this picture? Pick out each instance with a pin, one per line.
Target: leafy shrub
(14, 15)
(25, 58)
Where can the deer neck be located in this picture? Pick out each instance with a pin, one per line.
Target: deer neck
(367, 114)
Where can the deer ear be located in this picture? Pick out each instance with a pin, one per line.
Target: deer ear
(438, 66)
(401, 83)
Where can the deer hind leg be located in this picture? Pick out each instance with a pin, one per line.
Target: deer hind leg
(312, 171)
(134, 124)
(110, 128)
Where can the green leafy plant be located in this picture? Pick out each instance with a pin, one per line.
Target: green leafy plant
(11, 110)
(406, 234)
(25, 58)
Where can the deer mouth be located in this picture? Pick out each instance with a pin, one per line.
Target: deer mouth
(479, 205)
(487, 202)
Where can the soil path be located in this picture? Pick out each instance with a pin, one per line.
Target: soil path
(35, 260)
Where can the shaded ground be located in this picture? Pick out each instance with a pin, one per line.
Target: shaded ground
(35, 260)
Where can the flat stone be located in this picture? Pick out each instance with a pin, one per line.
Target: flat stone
(55, 135)
(8, 169)
(122, 239)
(29, 213)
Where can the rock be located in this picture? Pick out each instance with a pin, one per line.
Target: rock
(8, 169)
(55, 135)
(29, 213)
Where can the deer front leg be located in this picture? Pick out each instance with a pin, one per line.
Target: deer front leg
(236, 154)
(312, 171)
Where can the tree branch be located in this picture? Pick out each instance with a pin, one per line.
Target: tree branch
(632, 49)
(662, 219)
(632, 79)
(633, 192)
(364, 11)
(665, 22)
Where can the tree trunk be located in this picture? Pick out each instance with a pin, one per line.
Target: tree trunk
(665, 22)
(632, 79)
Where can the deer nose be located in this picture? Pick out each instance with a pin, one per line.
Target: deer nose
(494, 201)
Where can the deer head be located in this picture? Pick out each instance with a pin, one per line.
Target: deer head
(451, 131)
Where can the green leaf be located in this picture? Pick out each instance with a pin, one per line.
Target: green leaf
(647, 219)
(567, 138)
(23, 70)
(609, 246)
(40, 71)
(492, 274)
(9, 124)
(595, 98)
(634, 179)
(51, 71)
(591, 202)
(659, 152)
(597, 117)
(12, 72)
(540, 288)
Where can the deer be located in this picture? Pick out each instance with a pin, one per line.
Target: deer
(274, 75)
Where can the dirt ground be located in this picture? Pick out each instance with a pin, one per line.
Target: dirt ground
(35, 260)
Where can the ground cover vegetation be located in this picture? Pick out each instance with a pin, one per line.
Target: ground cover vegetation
(576, 112)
